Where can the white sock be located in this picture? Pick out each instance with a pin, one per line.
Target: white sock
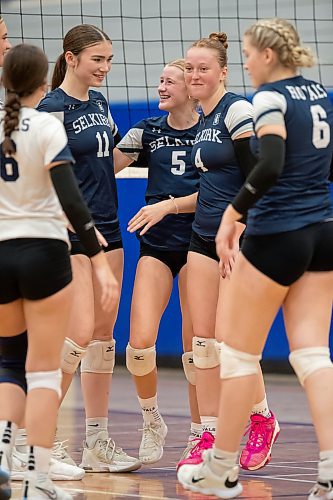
(94, 426)
(150, 412)
(195, 431)
(261, 408)
(222, 460)
(39, 459)
(21, 440)
(7, 439)
(325, 466)
(208, 424)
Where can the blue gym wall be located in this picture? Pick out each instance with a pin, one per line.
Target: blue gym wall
(131, 199)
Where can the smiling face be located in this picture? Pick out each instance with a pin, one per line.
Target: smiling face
(4, 42)
(92, 64)
(172, 89)
(203, 74)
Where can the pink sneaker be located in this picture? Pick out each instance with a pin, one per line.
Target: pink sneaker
(195, 456)
(263, 433)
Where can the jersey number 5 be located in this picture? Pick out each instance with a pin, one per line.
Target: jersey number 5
(181, 165)
(8, 169)
(321, 130)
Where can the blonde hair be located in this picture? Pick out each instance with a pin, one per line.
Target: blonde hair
(177, 63)
(280, 36)
(217, 42)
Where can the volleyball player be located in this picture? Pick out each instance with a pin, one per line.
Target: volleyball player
(286, 258)
(84, 63)
(222, 154)
(164, 145)
(35, 271)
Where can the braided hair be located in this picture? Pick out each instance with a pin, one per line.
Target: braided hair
(24, 70)
(281, 36)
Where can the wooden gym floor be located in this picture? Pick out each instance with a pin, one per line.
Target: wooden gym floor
(290, 474)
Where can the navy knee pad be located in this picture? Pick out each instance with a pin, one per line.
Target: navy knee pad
(13, 354)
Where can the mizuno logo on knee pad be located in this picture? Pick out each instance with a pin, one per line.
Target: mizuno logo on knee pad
(139, 358)
(76, 354)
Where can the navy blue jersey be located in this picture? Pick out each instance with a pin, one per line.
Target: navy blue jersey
(214, 155)
(90, 130)
(167, 154)
(301, 195)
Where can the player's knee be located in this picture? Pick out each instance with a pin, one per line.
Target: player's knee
(236, 363)
(45, 380)
(13, 353)
(189, 368)
(71, 355)
(205, 353)
(140, 362)
(100, 357)
(309, 360)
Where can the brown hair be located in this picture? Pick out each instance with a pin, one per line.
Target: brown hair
(217, 42)
(76, 40)
(24, 70)
(280, 36)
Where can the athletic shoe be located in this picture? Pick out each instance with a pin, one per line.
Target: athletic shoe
(152, 442)
(5, 489)
(195, 457)
(39, 486)
(263, 433)
(59, 452)
(104, 456)
(201, 479)
(59, 471)
(191, 443)
(322, 490)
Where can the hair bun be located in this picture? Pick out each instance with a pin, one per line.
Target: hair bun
(220, 37)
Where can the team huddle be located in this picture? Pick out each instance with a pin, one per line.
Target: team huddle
(238, 207)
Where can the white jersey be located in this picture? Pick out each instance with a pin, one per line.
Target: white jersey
(29, 206)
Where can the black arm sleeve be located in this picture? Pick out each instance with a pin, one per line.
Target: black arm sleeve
(73, 205)
(244, 155)
(117, 138)
(264, 175)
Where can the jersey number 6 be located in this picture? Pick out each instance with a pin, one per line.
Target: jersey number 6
(8, 169)
(321, 129)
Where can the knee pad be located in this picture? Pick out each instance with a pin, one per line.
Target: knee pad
(309, 360)
(236, 363)
(205, 353)
(189, 368)
(71, 356)
(100, 357)
(45, 380)
(13, 353)
(140, 362)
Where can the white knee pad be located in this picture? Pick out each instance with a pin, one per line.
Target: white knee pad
(205, 353)
(140, 362)
(71, 356)
(308, 360)
(236, 363)
(189, 368)
(45, 380)
(100, 357)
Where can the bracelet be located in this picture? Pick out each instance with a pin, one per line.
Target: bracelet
(174, 202)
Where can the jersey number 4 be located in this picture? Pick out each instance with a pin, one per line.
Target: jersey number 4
(8, 169)
(321, 130)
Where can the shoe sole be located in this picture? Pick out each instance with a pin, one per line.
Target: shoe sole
(232, 493)
(269, 456)
(19, 476)
(104, 468)
(5, 489)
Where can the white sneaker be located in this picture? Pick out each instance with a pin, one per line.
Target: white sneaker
(59, 471)
(323, 491)
(104, 456)
(5, 489)
(59, 452)
(152, 442)
(39, 486)
(201, 479)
